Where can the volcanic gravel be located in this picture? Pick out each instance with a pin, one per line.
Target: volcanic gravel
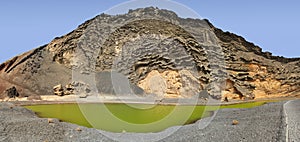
(266, 123)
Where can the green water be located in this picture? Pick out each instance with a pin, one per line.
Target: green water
(129, 118)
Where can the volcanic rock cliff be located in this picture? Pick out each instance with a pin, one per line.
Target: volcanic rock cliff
(155, 52)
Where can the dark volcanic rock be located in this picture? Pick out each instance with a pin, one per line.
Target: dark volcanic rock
(155, 52)
(12, 92)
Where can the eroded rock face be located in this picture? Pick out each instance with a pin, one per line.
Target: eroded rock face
(153, 51)
(171, 84)
(163, 84)
(139, 48)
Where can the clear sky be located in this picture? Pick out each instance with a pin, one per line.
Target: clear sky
(27, 24)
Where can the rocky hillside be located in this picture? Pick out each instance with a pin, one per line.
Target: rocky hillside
(155, 52)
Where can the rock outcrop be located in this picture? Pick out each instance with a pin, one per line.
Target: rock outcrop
(153, 51)
(71, 88)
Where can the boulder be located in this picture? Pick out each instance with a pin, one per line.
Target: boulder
(12, 92)
(58, 90)
(235, 122)
(83, 95)
(69, 89)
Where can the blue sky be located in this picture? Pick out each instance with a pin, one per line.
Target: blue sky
(273, 25)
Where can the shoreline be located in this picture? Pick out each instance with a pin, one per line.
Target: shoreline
(74, 100)
(27, 126)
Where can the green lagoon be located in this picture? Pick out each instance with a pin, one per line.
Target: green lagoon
(116, 117)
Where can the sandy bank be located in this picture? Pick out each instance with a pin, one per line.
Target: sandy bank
(52, 99)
